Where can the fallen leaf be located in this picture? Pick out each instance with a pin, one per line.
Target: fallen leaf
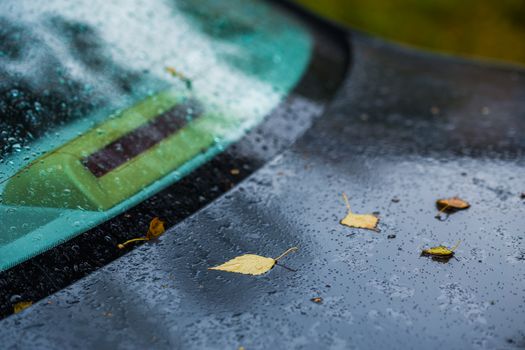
(251, 264)
(450, 205)
(440, 251)
(22, 305)
(175, 73)
(317, 300)
(367, 221)
(156, 228)
(235, 172)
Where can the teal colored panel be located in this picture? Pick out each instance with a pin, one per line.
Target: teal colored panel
(239, 59)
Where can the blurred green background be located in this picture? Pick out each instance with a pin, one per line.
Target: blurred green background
(492, 29)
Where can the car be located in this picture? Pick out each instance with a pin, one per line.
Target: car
(241, 126)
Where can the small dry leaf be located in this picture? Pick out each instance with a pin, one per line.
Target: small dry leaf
(251, 264)
(452, 204)
(156, 228)
(440, 251)
(367, 221)
(317, 300)
(175, 73)
(22, 305)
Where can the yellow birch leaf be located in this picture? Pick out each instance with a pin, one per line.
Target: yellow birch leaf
(367, 221)
(440, 251)
(156, 228)
(18, 307)
(251, 264)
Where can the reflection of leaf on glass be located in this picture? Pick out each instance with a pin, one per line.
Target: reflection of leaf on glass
(251, 264)
(367, 221)
(156, 228)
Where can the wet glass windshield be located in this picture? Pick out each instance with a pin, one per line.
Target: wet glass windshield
(105, 103)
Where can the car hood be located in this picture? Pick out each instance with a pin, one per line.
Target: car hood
(405, 129)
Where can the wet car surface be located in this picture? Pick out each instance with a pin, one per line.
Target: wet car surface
(405, 126)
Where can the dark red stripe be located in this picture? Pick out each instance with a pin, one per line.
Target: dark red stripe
(141, 139)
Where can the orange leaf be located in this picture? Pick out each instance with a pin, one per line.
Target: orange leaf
(452, 204)
(156, 228)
